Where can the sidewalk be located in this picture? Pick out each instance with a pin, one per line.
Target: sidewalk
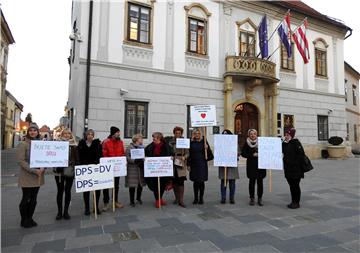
(328, 220)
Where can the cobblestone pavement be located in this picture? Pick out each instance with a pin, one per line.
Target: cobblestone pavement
(328, 220)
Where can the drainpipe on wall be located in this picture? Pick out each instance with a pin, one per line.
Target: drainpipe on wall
(88, 60)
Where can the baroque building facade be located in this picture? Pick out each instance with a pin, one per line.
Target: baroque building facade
(140, 65)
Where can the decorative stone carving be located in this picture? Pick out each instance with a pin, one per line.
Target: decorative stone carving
(138, 55)
(197, 64)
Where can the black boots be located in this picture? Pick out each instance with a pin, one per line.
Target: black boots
(27, 211)
(294, 205)
(252, 202)
(260, 202)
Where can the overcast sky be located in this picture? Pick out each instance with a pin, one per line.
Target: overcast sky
(38, 70)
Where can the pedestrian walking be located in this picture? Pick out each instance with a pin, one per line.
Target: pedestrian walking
(232, 173)
(254, 174)
(30, 179)
(90, 152)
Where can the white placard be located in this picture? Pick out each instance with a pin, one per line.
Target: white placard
(270, 153)
(158, 167)
(94, 177)
(225, 150)
(182, 143)
(203, 115)
(137, 153)
(48, 154)
(119, 164)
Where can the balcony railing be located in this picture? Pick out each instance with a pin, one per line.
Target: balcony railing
(247, 67)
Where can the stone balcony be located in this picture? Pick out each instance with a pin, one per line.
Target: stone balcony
(250, 67)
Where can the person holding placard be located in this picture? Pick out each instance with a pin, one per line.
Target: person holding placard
(232, 173)
(113, 146)
(180, 169)
(293, 153)
(90, 152)
(30, 179)
(155, 149)
(64, 177)
(135, 171)
(199, 165)
(254, 174)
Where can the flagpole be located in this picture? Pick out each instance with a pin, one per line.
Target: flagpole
(278, 25)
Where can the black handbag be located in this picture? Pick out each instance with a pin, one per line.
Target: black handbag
(306, 166)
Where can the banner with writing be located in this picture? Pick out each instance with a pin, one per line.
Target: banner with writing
(158, 167)
(203, 115)
(49, 154)
(270, 153)
(119, 164)
(182, 143)
(137, 153)
(225, 150)
(94, 177)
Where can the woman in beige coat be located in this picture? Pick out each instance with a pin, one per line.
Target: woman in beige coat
(30, 179)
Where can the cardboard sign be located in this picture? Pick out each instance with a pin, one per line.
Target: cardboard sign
(119, 164)
(270, 153)
(158, 167)
(49, 154)
(137, 153)
(182, 143)
(93, 177)
(225, 150)
(203, 115)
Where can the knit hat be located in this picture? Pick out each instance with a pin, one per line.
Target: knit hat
(113, 130)
(33, 125)
(291, 132)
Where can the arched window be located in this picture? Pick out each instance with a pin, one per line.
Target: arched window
(320, 57)
(247, 38)
(197, 17)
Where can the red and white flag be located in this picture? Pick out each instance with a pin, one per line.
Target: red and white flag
(301, 42)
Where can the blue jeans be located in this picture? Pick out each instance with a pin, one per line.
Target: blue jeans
(231, 184)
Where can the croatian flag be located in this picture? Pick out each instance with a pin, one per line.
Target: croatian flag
(284, 33)
(302, 42)
(263, 40)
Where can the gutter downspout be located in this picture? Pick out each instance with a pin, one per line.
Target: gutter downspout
(88, 60)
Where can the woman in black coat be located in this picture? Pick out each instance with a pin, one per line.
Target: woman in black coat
(293, 153)
(90, 152)
(199, 165)
(157, 148)
(254, 174)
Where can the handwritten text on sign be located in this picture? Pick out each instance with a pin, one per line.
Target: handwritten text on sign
(270, 153)
(137, 153)
(118, 163)
(93, 177)
(203, 115)
(49, 154)
(225, 150)
(182, 143)
(158, 167)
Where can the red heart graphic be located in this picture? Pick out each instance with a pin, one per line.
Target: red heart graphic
(203, 115)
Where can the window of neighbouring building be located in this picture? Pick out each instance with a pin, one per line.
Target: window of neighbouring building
(287, 63)
(136, 118)
(347, 131)
(354, 94)
(247, 38)
(139, 23)
(320, 57)
(345, 90)
(279, 124)
(355, 133)
(323, 128)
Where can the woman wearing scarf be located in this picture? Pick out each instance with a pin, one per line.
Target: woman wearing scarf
(255, 175)
(135, 171)
(30, 179)
(157, 148)
(64, 177)
(293, 152)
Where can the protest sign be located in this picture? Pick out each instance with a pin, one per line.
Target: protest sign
(93, 177)
(270, 153)
(119, 164)
(158, 167)
(137, 153)
(48, 154)
(182, 143)
(203, 115)
(225, 150)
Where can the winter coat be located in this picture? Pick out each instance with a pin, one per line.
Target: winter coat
(135, 169)
(197, 162)
(27, 175)
(178, 153)
(113, 148)
(231, 173)
(73, 161)
(89, 154)
(293, 153)
(252, 169)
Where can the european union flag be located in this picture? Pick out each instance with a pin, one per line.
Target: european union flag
(263, 41)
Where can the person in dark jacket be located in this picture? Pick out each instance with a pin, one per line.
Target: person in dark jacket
(293, 152)
(90, 153)
(254, 174)
(199, 165)
(155, 149)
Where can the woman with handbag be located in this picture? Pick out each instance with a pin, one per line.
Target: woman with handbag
(293, 161)
(64, 177)
(199, 165)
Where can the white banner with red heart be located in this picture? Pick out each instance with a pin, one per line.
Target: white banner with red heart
(203, 115)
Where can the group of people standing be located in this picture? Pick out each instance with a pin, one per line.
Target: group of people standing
(192, 161)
